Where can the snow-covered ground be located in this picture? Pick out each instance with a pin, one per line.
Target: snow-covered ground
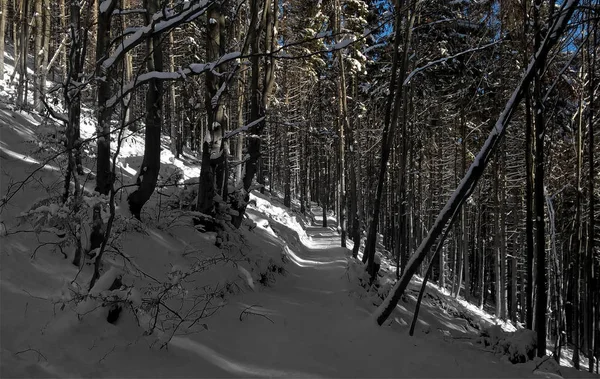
(285, 298)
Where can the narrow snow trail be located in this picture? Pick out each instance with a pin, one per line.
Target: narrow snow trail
(309, 324)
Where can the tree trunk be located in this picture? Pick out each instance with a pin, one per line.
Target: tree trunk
(578, 236)
(213, 172)
(3, 16)
(173, 119)
(24, 49)
(104, 176)
(393, 105)
(540, 235)
(38, 22)
(528, 189)
(148, 174)
(589, 263)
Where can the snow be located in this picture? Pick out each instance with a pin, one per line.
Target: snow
(105, 5)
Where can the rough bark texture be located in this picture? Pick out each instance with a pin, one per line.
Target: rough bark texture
(104, 176)
(148, 174)
(213, 173)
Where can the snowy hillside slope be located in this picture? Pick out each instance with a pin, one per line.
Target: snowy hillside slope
(279, 300)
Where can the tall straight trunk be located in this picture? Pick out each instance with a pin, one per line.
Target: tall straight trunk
(3, 16)
(104, 177)
(24, 49)
(589, 262)
(148, 173)
(303, 170)
(213, 172)
(287, 175)
(578, 236)
(528, 187)
(393, 105)
(38, 23)
(259, 101)
(468, 183)
(341, 125)
(63, 29)
(46, 46)
(72, 95)
(540, 235)
(482, 282)
(463, 217)
(239, 147)
(502, 230)
(173, 119)
(497, 239)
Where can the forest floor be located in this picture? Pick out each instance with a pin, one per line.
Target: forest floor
(313, 320)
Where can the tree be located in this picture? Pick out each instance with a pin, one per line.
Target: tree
(148, 173)
(469, 181)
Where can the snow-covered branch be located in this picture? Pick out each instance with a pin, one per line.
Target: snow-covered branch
(445, 59)
(192, 69)
(162, 21)
(243, 128)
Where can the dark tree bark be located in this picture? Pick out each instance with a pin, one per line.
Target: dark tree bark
(213, 172)
(540, 235)
(104, 177)
(589, 263)
(394, 102)
(528, 188)
(148, 174)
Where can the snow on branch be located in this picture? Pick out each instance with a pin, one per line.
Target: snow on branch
(243, 128)
(191, 69)
(445, 59)
(106, 5)
(162, 21)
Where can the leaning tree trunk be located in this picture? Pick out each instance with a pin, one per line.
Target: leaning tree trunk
(468, 183)
(148, 174)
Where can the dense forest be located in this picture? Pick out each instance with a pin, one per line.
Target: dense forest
(456, 138)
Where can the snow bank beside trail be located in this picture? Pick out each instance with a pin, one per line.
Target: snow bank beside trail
(279, 213)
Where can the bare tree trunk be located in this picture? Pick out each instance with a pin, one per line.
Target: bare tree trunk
(213, 171)
(104, 177)
(502, 230)
(589, 264)
(46, 47)
(528, 188)
(463, 217)
(540, 235)
(341, 121)
(148, 173)
(578, 235)
(63, 29)
(3, 16)
(24, 49)
(393, 105)
(38, 22)
(173, 119)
